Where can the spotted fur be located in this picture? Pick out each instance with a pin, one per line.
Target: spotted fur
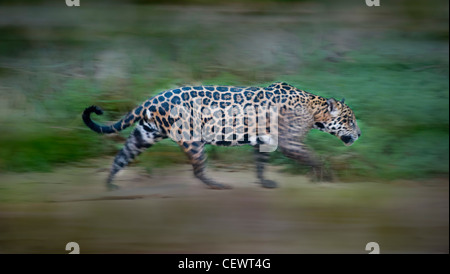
(230, 116)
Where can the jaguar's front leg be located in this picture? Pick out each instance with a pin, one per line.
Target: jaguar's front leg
(292, 130)
(261, 159)
(298, 152)
(196, 153)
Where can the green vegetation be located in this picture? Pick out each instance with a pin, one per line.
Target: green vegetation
(390, 64)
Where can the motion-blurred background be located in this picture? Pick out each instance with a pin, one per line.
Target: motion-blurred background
(391, 63)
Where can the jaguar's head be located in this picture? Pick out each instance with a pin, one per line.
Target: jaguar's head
(339, 120)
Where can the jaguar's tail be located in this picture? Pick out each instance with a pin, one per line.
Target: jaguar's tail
(125, 122)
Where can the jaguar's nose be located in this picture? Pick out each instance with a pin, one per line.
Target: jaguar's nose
(347, 139)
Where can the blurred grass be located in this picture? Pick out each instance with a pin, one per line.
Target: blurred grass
(391, 64)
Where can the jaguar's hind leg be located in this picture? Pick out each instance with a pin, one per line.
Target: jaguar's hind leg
(196, 153)
(142, 137)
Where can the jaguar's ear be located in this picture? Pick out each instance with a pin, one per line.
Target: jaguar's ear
(343, 100)
(332, 107)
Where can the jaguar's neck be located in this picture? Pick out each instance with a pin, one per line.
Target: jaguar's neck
(318, 106)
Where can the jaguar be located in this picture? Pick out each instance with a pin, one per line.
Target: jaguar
(278, 116)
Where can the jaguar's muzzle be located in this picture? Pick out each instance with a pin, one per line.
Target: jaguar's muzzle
(347, 139)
